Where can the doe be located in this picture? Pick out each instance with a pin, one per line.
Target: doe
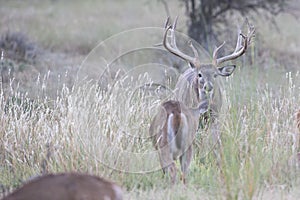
(172, 131)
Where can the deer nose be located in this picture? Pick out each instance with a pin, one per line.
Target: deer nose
(208, 87)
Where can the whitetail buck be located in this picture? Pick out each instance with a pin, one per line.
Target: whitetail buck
(204, 75)
(172, 131)
(67, 186)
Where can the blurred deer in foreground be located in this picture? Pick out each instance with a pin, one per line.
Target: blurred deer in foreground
(172, 131)
(204, 75)
(68, 186)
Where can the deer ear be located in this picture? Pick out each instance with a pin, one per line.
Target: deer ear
(226, 70)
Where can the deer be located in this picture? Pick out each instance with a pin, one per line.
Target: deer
(172, 131)
(205, 75)
(67, 186)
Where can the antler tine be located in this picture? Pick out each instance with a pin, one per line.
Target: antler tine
(194, 49)
(215, 53)
(173, 39)
(242, 44)
(167, 22)
(165, 27)
(175, 23)
(173, 47)
(239, 40)
(251, 33)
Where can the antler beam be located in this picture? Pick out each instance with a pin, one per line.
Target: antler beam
(173, 46)
(243, 41)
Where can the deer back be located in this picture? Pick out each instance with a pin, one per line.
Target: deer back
(176, 117)
(67, 186)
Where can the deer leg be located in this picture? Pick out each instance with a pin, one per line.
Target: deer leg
(185, 161)
(167, 163)
(173, 173)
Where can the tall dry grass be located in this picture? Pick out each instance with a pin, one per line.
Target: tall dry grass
(82, 128)
(106, 133)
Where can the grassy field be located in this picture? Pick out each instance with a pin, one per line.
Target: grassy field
(53, 122)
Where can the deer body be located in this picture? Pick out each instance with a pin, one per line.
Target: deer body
(173, 130)
(67, 186)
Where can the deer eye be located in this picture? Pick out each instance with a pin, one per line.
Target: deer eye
(199, 75)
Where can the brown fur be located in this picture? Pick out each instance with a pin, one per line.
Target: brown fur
(174, 108)
(184, 126)
(67, 186)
